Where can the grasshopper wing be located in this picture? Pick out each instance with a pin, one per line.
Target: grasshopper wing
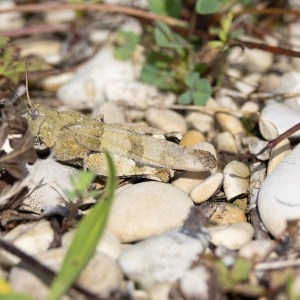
(142, 148)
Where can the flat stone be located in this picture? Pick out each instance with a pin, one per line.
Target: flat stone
(86, 88)
(206, 188)
(278, 198)
(232, 236)
(166, 120)
(192, 137)
(230, 123)
(109, 244)
(256, 248)
(32, 238)
(136, 94)
(200, 121)
(236, 180)
(146, 209)
(101, 276)
(46, 189)
(276, 118)
(226, 214)
(164, 258)
(225, 142)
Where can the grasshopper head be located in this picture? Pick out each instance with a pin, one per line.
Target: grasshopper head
(36, 116)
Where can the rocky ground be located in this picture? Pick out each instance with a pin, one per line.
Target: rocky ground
(231, 230)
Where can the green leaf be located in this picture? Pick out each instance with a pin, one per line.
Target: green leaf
(216, 44)
(3, 41)
(226, 22)
(223, 276)
(14, 296)
(165, 37)
(241, 269)
(86, 238)
(165, 7)
(191, 79)
(205, 7)
(202, 93)
(186, 97)
(161, 78)
(126, 44)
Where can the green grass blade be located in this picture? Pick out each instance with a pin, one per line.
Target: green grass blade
(85, 240)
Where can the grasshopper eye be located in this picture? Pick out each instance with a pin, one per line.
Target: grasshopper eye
(36, 140)
(35, 113)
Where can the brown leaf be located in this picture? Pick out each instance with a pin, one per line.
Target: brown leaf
(24, 152)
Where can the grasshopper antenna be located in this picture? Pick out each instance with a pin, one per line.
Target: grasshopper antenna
(19, 97)
(26, 84)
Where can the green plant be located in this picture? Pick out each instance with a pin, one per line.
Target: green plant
(198, 92)
(86, 238)
(12, 66)
(126, 43)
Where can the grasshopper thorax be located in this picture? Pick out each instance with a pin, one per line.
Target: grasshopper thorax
(36, 116)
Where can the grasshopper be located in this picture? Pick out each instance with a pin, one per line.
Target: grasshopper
(81, 140)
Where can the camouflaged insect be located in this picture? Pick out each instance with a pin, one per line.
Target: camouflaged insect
(81, 140)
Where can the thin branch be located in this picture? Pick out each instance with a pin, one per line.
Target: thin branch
(137, 13)
(35, 265)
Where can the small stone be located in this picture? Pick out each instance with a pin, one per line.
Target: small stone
(87, 86)
(200, 121)
(290, 83)
(226, 214)
(227, 102)
(230, 123)
(207, 188)
(278, 153)
(250, 106)
(12, 20)
(166, 120)
(249, 83)
(164, 258)
(49, 49)
(53, 83)
(101, 276)
(111, 112)
(46, 189)
(236, 180)
(109, 244)
(32, 238)
(278, 198)
(232, 236)
(198, 283)
(225, 142)
(241, 203)
(192, 137)
(146, 209)
(136, 94)
(276, 118)
(255, 249)
(59, 16)
(188, 180)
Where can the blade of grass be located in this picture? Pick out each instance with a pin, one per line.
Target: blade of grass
(86, 238)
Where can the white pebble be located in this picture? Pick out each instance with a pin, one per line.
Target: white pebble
(166, 120)
(46, 189)
(163, 258)
(86, 88)
(278, 198)
(207, 188)
(232, 236)
(200, 121)
(32, 238)
(136, 94)
(236, 180)
(146, 209)
(230, 123)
